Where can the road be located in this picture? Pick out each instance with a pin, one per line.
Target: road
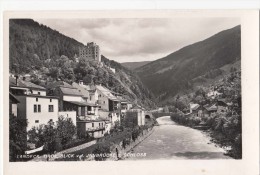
(172, 141)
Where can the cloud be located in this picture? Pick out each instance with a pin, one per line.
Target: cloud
(136, 39)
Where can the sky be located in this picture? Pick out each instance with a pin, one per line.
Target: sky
(140, 39)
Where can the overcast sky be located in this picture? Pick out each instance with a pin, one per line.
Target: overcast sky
(136, 39)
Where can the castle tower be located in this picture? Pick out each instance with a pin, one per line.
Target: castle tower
(90, 52)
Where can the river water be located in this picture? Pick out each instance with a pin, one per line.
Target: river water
(172, 141)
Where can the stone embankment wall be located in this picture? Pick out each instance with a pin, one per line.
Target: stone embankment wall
(120, 152)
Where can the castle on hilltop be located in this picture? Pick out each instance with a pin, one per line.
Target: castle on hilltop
(90, 51)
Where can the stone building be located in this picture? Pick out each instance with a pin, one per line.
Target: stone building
(90, 52)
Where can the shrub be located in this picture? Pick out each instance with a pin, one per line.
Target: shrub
(100, 150)
(17, 137)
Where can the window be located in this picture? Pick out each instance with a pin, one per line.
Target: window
(36, 121)
(104, 102)
(51, 108)
(99, 124)
(39, 108)
(50, 100)
(92, 124)
(36, 99)
(34, 108)
(39, 93)
(90, 98)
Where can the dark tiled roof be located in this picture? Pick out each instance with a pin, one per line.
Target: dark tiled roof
(106, 92)
(210, 108)
(13, 98)
(83, 90)
(81, 103)
(27, 84)
(70, 91)
(38, 96)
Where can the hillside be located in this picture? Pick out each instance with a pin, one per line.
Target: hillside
(192, 65)
(134, 65)
(32, 43)
(48, 55)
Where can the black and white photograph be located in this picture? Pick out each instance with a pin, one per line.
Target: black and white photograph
(118, 89)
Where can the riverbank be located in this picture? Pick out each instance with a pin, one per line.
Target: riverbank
(218, 129)
(114, 146)
(171, 141)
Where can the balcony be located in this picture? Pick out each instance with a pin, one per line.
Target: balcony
(91, 112)
(100, 128)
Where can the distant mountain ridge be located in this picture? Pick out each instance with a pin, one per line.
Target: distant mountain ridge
(134, 65)
(168, 76)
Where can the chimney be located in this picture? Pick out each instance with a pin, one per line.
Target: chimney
(16, 80)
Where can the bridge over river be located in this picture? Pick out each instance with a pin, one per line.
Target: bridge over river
(172, 141)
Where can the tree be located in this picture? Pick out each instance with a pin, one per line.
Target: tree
(54, 72)
(100, 150)
(17, 137)
(65, 130)
(49, 133)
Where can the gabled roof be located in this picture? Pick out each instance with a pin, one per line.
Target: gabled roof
(210, 107)
(223, 101)
(83, 90)
(70, 91)
(194, 106)
(25, 84)
(122, 100)
(13, 98)
(106, 92)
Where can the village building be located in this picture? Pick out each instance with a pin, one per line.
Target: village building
(222, 106)
(89, 92)
(214, 94)
(109, 104)
(34, 105)
(77, 98)
(94, 128)
(90, 52)
(140, 115)
(73, 99)
(195, 109)
(18, 86)
(209, 110)
(37, 109)
(13, 101)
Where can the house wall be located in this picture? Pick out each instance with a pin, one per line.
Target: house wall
(103, 100)
(87, 127)
(72, 98)
(44, 116)
(114, 118)
(103, 114)
(141, 118)
(14, 109)
(93, 97)
(108, 128)
(69, 114)
(42, 92)
(21, 107)
(222, 109)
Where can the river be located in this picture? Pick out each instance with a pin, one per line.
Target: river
(172, 141)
